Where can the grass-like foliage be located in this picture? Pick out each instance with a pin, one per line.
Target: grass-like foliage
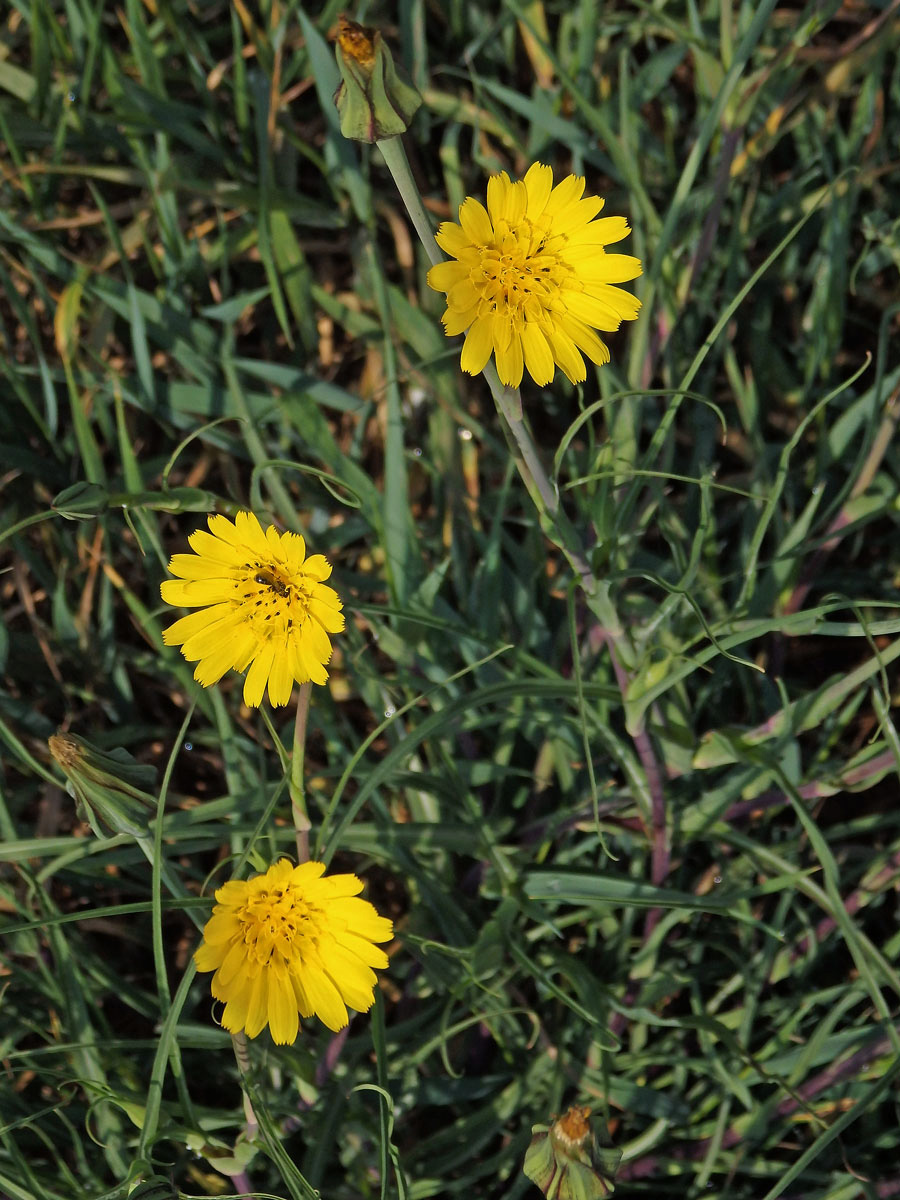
(616, 758)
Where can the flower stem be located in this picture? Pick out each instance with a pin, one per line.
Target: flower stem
(546, 500)
(297, 790)
(528, 462)
(509, 402)
(242, 1054)
(398, 164)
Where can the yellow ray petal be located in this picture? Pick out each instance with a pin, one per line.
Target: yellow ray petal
(258, 674)
(592, 310)
(586, 340)
(222, 636)
(206, 546)
(607, 268)
(538, 183)
(185, 627)
(463, 295)
(455, 323)
(312, 667)
(497, 188)
(566, 355)
(478, 345)
(198, 566)
(510, 362)
(281, 680)
(446, 275)
(452, 238)
(258, 1006)
(538, 355)
(209, 670)
(475, 221)
(575, 216)
(325, 999)
(352, 978)
(602, 232)
(567, 191)
(283, 1018)
(192, 593)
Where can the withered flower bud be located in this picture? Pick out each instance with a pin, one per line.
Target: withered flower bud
(567, 1161)
(108, 786)
(373, 100)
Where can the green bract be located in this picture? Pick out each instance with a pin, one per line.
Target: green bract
(81, 502)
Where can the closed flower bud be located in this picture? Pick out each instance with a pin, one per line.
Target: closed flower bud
(109, 786)
(373, 101)
(566, 1160)
(81, 502)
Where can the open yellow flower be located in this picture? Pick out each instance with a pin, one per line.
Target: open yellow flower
(292, 941)
(530, 280)
(263, 605)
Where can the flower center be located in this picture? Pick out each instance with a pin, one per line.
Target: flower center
(521, 274)
(276, 925)
(273, 601)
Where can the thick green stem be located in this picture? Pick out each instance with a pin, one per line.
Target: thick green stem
(546, 501)
(297, 789)
(242, 1054)
(398, 164)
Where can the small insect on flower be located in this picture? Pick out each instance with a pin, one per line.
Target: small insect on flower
(292, 941)
(529, 279)
(567, 1161)
(278, 586)
(264, 607)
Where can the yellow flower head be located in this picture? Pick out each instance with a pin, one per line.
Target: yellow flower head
(530, 279)
(263, 605)
(292, 940)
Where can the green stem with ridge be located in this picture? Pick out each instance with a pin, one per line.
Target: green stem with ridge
(242, 1054)
(546, 500)
(394, 155)
(296, 785)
